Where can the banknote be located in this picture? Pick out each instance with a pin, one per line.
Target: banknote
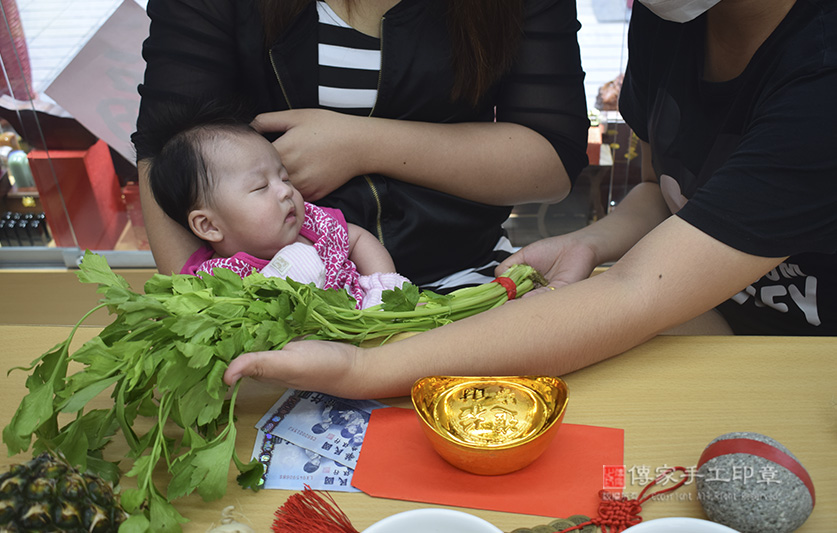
(329, 426)
(290, 467)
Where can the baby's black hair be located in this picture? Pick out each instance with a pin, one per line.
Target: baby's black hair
(178, 173)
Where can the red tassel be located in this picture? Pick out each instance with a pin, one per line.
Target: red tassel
(311, 511)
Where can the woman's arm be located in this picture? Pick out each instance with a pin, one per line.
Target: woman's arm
(171, 244)
(367, 252)
(190, 55)
(493, 163)
(572, 257)
(661, 282)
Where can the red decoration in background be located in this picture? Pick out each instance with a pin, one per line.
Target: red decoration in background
(15, 55)
(79, 191)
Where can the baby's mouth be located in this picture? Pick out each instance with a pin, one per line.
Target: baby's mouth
(291, 214)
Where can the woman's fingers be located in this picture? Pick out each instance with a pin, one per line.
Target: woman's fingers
(274, 121)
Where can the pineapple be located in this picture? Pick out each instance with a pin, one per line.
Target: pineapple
(49, 495)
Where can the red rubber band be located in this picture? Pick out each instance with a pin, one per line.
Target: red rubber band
(759, 449)
(508, 284)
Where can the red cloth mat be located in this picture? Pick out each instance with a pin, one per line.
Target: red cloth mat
(398, 462)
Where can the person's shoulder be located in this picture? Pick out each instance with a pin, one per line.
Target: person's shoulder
(811, 29)
(804, 44)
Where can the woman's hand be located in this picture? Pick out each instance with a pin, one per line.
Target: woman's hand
(321, 149)
(329, 367)
(562, 260)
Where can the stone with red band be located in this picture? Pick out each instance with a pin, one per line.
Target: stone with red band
(759, 449)
(751, 483)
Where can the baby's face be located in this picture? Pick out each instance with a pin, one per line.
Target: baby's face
(255, 203)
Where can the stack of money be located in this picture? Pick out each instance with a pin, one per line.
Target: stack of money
(312, 439)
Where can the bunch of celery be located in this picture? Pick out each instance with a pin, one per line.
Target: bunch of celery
(163, 358)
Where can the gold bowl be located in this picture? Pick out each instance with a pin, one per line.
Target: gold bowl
(490, 425)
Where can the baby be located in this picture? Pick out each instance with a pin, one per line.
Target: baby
(225, 182)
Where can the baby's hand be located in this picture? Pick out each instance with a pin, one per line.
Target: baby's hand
(375, 284)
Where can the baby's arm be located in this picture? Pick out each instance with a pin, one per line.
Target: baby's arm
(367, 252)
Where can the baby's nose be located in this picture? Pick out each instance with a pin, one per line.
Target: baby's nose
(285, 190)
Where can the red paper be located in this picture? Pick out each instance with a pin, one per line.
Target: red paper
(398, 462)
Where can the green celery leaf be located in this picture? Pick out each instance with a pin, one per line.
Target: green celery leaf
(176, 375)
(53, 363)
(191, 439)
(198, 355)
(215, 386)
(260, 338)
(430, 298)
(104, 469)
(164, 517)
(131, 499)
(258, 310)
(15, 443)
(224, 282)
(137, 523)
(338, 299)
(279, 307)
(194, 328)
(159, 284)
(250, 476)
(227, 310)
(401, 299)
(186, 305)
(279, 334)
(211, 466)
(143, 465)
(232, 343)
(141, 310)
(181, 471)
(94, 269)
(142, 404)
(97, 355)
(79, 399)
(192, 403)
(185, 284)
(100, 425)
(35, 409)
(116, 296)
(74, 446)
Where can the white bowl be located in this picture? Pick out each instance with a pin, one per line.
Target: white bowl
(432, 521)
(679, 525)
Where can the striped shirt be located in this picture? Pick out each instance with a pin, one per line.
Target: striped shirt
(349, 65)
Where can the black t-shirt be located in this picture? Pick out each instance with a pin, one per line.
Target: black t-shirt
(750, 161)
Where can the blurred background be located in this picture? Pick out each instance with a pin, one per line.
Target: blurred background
(68, 104)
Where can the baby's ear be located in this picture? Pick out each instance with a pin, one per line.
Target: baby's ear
(201, 222)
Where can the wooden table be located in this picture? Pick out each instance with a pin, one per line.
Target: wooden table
(671, 396)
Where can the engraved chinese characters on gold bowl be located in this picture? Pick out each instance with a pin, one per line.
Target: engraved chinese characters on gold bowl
(490, 425)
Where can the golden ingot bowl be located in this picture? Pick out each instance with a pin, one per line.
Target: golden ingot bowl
(490, 425)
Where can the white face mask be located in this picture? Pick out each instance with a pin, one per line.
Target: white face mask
(679, 10)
